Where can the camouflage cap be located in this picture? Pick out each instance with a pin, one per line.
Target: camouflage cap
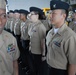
(2, 4)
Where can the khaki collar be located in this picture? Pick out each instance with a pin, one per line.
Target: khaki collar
(61, 29)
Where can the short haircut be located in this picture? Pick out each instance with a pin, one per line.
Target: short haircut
(65, 12)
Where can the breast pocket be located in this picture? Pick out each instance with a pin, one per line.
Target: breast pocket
(35, 33)
(56, 45)
(11, 48)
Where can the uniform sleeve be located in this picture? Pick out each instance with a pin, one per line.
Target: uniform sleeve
(17, 53)
(42, 31)
(71, 50)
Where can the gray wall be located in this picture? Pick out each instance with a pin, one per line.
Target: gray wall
(25, 4)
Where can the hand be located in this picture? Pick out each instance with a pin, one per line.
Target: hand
(43, 58)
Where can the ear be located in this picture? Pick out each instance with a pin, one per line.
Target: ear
(64, 15)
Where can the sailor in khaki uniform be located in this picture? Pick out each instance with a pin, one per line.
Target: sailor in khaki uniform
(24, 38)
(61, 42)
(72, 24)
(23, 27)
(12, 23)
(37, 34)
(9, 20)
(17, 22)
(9, 52)
(17, 26)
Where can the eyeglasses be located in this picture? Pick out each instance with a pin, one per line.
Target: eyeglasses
(3, 16)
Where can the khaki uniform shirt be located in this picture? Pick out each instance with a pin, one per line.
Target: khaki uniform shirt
(7, 26)
(72, 25)
(61, 47)
(37, 33)
(8, 53)
(24, 30)
(17, 27)
(12, 23)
